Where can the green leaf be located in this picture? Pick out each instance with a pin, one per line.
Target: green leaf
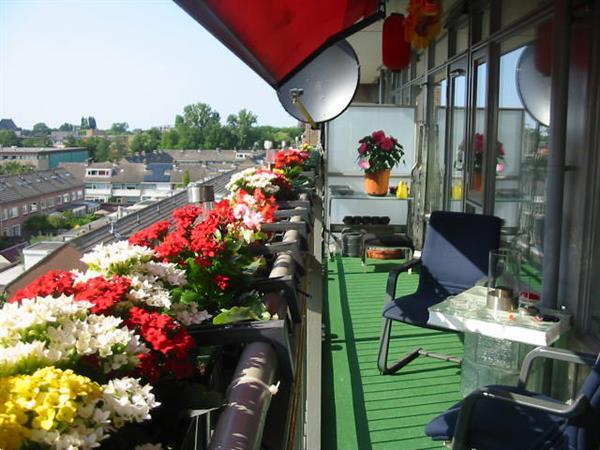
(235, 314)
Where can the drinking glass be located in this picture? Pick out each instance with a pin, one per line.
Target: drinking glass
(503, 275)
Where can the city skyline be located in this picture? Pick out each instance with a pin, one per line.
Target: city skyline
(135, 61)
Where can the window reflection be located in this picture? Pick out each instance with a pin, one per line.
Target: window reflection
(520, 182)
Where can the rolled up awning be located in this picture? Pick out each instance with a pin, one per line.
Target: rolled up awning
(276, 38)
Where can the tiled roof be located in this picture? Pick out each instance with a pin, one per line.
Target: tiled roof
(8, 124)
(202, 155)
(36, 150)
(31, 185)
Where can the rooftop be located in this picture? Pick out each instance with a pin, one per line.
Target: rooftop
(36, 150)
(19, 187)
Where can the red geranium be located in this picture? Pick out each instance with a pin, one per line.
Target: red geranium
(103, 293)
(290, 158)
(149, 237)
(170, 343)
(54, 283)
(186, 215)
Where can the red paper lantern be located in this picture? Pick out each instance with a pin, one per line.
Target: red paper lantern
(395, 49)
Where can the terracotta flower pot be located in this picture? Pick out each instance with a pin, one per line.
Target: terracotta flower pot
(477, 181)
(377, 183)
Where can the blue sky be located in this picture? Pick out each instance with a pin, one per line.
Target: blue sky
(135, 61)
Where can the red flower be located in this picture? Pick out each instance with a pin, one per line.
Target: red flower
(290, 158)
(162, 332)
(149, 237)
(103, 293)
(173, 245)
(148, 367)
(185, 216)
(54, 283)
(221, 281)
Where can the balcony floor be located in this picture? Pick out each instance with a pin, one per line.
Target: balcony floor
(362, 409)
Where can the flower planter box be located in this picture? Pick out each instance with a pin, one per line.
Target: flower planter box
(280, 298)
(276, 332)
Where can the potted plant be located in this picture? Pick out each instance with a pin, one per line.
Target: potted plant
(377, 155)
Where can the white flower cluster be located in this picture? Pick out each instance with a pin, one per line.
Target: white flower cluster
(253, 178)
(189, 314)
(128, 401)
(117, 258)
(61, 330)
(166, 272)
(145, 289)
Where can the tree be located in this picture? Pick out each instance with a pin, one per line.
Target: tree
(185, 178)
(169, 139)
(92, 123)
(66, 127)
(199, 127)
(57, 221)
(8, 138)
(41, 128)
(119, 128)
(84, 123)
(243, 130)
(38, 224)
(145, 142)
(15, 168)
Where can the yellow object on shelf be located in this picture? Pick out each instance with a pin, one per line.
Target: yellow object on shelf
(457, 191)
(402, 191)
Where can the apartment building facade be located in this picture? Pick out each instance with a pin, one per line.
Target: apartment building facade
(43, 158)
(42, 192)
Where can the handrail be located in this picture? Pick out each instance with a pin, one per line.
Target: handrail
(242, 421)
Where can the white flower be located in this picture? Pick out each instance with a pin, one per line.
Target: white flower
(253, 178)
(167, 272)
(117, 258)
(146, 289)
(83, 277)
(63, 330)
(128, 401)
(189, 314)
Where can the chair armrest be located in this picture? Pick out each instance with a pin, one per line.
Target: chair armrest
(460, 441)
(390, 291)
(556, 354)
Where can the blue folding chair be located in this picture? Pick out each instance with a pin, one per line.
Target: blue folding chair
(455, 257)
(508, 417)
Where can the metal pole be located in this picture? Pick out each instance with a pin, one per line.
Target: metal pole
(556, 160)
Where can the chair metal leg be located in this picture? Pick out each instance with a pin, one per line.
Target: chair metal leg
(384, 346)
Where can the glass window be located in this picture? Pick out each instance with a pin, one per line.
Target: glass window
(436, 160)
(15, 230)
(513, 10)
(24, 210)
(462, 38)
(478, 142)
(440, 50)
(521, 161)
(457, 137)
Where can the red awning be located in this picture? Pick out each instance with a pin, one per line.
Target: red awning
(277, 37)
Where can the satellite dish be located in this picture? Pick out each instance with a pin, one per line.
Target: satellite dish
(533, 87)
(324, 88)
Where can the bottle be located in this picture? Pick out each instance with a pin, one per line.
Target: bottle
(402, 191)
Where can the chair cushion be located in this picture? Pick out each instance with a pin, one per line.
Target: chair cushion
(497, 425)
(412, 308)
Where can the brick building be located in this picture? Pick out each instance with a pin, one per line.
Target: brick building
(43, 192)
